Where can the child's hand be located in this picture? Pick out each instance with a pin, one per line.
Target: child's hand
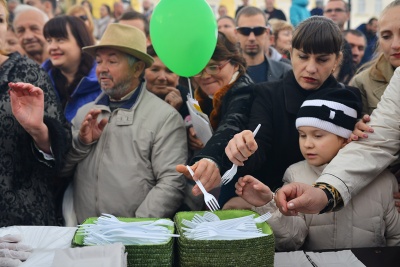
(253, 191)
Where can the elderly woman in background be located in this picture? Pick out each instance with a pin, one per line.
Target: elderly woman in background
(162, 82)
(85, 15)
(72, 71)
(34, 139)
(225, 95)
(281, 37)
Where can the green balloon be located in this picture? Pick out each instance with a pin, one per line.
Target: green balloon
(184, 35)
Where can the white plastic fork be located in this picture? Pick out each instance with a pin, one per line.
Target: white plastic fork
(229, 174)
(263, 218)
(209, 199)
(211, 217)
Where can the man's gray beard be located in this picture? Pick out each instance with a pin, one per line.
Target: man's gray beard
(119, 90)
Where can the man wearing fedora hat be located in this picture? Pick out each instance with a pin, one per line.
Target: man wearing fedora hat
(127, 142)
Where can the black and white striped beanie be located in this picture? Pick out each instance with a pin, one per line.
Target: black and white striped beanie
(334, 110)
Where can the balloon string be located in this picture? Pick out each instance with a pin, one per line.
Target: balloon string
(190, 88)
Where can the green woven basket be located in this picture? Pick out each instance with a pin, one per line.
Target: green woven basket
(139, 255)
(248, 252)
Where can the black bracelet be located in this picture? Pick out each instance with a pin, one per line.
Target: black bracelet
(331, 202)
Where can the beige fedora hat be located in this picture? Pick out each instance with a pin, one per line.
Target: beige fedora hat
(127, 39)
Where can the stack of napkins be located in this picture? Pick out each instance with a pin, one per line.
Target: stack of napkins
(112, 255)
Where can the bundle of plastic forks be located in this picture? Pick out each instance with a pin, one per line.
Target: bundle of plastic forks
(109, 229)
(210, 227)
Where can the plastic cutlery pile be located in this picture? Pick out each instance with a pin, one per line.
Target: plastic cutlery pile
(108, 229)
(210, 227)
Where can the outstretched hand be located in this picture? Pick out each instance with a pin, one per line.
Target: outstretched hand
(91, 130)
(253, 191)
(241, 147)
(27, 105)
(298, 197)
(205, 171)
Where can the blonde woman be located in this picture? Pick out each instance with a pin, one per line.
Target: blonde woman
(85, 15)
(373, 80)
(281, 37)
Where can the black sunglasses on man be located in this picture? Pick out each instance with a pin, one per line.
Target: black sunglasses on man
(247, 30)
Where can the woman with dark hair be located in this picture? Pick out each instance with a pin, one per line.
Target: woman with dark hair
(164, 83)
(72, 71)
(225, 95)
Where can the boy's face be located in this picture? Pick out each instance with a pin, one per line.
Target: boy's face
(318, 146)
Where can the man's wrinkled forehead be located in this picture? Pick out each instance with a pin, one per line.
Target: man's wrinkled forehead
(109, 52)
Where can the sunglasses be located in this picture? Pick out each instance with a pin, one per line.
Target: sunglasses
(247, 30)
(83, 17)
(336, 10)
(212, 69)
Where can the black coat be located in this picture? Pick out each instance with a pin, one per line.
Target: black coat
(275, 107)
(235, 111)
(26, 178)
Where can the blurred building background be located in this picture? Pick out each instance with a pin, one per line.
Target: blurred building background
(361, 10)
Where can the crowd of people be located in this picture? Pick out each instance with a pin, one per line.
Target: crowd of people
(93, 121)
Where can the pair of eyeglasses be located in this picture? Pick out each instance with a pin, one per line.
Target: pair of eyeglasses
(247, 30)
(336, 10)
(212, 69)
(83, 17)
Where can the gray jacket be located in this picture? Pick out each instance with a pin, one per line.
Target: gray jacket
(276, 69)
(370, 219)
(130, 170)
(358, 163)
